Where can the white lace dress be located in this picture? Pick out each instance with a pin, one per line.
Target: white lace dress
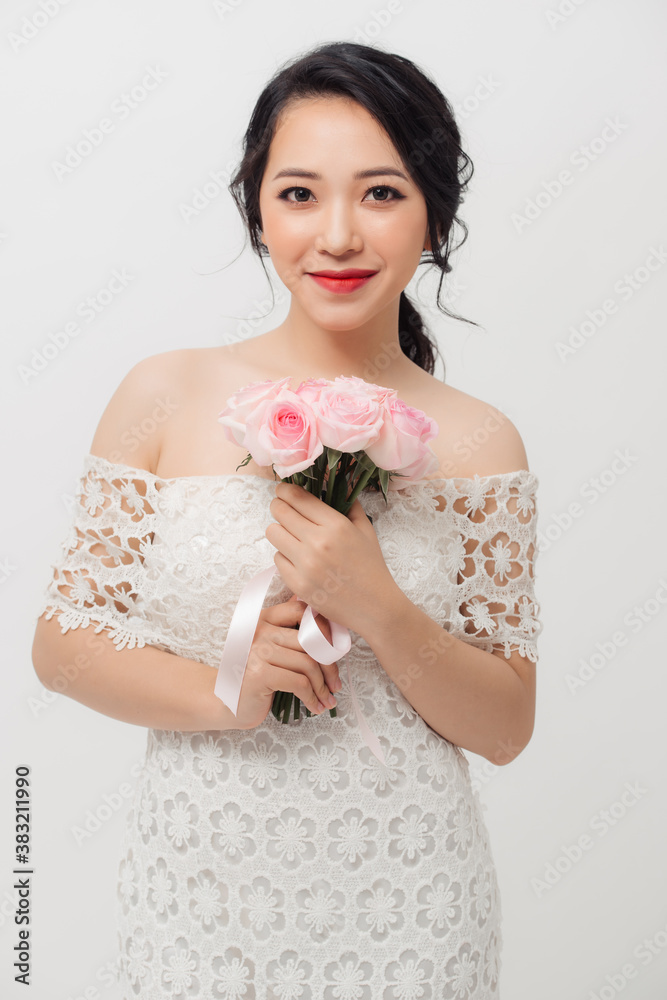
(286, 861)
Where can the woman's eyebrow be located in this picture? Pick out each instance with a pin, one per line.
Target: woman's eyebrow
(358, 176)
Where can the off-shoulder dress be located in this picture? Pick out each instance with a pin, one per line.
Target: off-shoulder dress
(286, 861)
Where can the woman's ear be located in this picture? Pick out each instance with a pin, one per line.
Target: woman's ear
(427, 241)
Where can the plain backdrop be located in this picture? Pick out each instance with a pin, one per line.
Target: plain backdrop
(562, 108)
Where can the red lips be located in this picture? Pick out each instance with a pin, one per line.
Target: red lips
(342, 282)
(350, 272)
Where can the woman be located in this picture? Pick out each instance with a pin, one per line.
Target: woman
(264, 859)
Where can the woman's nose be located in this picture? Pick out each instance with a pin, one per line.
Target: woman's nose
(338, 231)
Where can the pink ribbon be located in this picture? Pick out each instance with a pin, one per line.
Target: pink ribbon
(239, 640)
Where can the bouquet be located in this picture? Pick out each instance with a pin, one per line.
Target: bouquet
(333, 438)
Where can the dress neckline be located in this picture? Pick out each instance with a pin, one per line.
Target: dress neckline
(522, 474)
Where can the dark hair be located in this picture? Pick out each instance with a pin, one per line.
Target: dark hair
(417, 118)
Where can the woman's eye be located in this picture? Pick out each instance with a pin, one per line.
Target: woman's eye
(302, 194)
(300, 190)
(384, 188)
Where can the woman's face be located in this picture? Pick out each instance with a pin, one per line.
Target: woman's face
(332, 220)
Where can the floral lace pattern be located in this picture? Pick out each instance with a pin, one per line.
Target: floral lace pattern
(286, 861)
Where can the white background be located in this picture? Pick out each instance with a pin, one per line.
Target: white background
(531, 88)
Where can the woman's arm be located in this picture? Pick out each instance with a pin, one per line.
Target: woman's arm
(477, 700)
(93, 584)
(143, 686)
(474, 698)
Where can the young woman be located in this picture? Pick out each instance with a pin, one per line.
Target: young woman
(264, 859)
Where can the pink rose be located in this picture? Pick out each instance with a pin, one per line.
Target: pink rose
(283, 432)
(401, 444)
(379, 392)
(309, 391)
(348, 418)
(426, 462)
(238, 407)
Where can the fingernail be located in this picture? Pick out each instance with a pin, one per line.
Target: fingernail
(321, 707)
(331, 701)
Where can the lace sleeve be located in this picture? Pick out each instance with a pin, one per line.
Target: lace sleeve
(496, 517)
(98, 581)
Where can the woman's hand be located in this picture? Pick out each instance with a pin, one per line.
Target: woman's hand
(277, 662)
(330, 560)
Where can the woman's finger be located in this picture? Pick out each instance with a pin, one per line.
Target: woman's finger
(298, 684)
(292, 657)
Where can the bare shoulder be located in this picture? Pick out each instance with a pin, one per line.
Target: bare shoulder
(131, 426)
(475, 437)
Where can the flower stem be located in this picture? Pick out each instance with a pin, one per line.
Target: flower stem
(361, 482)
(330, 484)
(282, 706)
(322, 468)
(288, 706)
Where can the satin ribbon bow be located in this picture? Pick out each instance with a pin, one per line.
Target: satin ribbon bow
(239, 640)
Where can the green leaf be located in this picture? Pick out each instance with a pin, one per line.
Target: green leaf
(333, 457)
(364, 462)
